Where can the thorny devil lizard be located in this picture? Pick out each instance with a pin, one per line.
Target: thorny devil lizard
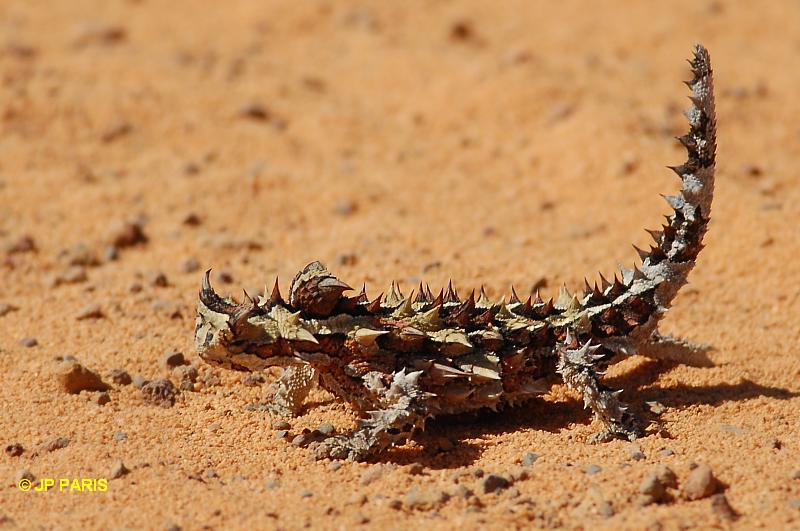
(399, 361)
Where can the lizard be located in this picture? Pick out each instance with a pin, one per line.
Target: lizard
(401, 360)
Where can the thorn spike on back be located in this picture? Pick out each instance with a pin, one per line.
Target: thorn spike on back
(275, 296)
(375, 305)
(362, 298)
(642, 253)
(526, 308)
(514, 297)
(538, 298)
(450, 296)
(604, 283)
(428, 293)
(483, 299)
(439, 300)
(655, 234)
(420, 298)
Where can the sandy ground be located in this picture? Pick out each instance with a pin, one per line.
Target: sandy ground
(495, 143)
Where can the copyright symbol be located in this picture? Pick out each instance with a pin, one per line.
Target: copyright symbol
(24, 484)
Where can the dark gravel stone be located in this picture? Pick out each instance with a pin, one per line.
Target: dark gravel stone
(120, 376)
(28, 342)
(160, 392)
(101, 399)
(14, 450)
(416, 469)
(119, 436)
(127, 235)
(173, 359)
(300, 440)
(159, 280)
(494, 483)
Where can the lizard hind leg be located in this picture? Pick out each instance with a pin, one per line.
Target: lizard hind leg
(577, 369)
(678, 350)
(291, 389)
(392, 425)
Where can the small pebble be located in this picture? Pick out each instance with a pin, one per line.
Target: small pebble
(28, 342)
(372, 474)
(119, 436)
(24, 244)
(253, 379)
(173, 359)
(666, 476)
(358, 498)
(54, 444)
(160, 392)
(417, 499)
(225, 276)
(90, 311)
(6, 308)
(635, 452)
(281, 434)
(415, 469)
(306, 494)
(345, 207)
(118, 470)
(139, 381)
(211, 473)
(656, 408)
(281, 425)
(120, 377)
(24, 474)
(300, 440)
(192, 220)
(666, 452)
(14, 450)
(592, 470)
(721, 507)
(701, 483)
(101, 399)
(127, 235)
(159, 280)
(478, 473)
(460, 491)
(494, 483)
(74, 378)
(529, 459)
(395, 504)
(255, 111)
(185, 373)
(653, 490)
(190, 265)
(796, 474)
(326, 428)
(334, 466)
(71, 275)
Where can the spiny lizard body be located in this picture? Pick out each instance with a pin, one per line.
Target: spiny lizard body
(399, 360)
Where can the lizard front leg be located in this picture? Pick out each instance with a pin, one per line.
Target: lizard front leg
(394, 424)
(576, 367)
(677, 350)
(291, 389)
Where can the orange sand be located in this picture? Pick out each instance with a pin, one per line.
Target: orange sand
(495, 143)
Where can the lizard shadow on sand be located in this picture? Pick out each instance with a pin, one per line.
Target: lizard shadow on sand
(556, 417)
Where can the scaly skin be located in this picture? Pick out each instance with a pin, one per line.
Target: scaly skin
(399, 360)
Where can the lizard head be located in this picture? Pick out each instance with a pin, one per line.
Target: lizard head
(248, 336)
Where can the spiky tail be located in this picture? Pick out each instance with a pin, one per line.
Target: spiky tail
(638, 303)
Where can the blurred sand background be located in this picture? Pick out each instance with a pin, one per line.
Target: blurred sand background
(488, 142)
